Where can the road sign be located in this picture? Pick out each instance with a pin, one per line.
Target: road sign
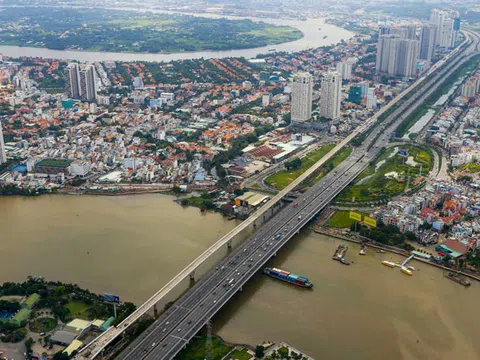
(355, 216)
(111, 299)
(369, 221)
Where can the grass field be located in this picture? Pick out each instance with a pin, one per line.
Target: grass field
(239, 355)
(43, 325)
(282, 178)
(31, 300)
(195, 349)
(277, 34)
(341, 219)
(22, 315)
(373, 184)
(77, 308)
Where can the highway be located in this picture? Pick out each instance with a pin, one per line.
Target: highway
(175, 327)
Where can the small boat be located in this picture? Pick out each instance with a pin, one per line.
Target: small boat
(411, 268)
(272, 50)
(325, 37)
(457, 279)
(388, 263)
(380, 251)
(406, 271)
(363, 250)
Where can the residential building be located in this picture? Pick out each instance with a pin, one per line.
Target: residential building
(427, 42)
(302, 88)
(88, 90)
(72, 80)
(371, 99)
(331, 95)
(444, 21)
(3, 155)
(138, 82)
(469, 88)
(344, 68)
(266, 99)
(397, 56)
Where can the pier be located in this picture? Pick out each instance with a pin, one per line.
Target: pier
(340, 253)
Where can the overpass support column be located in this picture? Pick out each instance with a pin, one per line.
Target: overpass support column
(155, 311)
(192, 276)
(229, 244)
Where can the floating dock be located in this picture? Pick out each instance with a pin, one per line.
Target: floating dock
(340, 253)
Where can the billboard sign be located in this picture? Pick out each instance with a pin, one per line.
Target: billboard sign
(355, 216)
(369, 221)
(111, 299)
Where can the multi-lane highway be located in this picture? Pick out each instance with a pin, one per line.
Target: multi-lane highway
(175, 327)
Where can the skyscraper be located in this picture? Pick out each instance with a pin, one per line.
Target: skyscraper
(80, 83)
(3, 155)
(88, 91)
(427, 42)
(397, 56)
(302, 88)
(444, 21)
(331, 95)
(72, 81)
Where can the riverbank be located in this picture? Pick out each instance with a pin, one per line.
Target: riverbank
(392, 250)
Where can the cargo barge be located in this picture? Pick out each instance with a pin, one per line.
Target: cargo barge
(457, 279)
(288, 277)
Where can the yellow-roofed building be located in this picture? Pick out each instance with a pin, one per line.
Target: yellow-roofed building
(74, 346)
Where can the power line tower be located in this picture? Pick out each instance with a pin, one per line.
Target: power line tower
(209, 345)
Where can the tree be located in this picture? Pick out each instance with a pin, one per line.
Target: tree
(293, 164)
(259, 351)
(28, 345)
(60, 356)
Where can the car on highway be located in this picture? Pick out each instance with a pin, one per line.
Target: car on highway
(295, 204)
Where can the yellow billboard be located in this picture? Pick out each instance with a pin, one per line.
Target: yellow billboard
(369, 221)
(355, 216)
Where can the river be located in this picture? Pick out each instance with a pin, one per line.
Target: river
(313, 37)
(133, 245)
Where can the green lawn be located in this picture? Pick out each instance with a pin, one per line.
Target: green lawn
(374, 185)
(239, 355)
(282, 178)
(31, 300)
(43, 325)
(341, 219)
(77, 308)
(21, 316)
(195, 350)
